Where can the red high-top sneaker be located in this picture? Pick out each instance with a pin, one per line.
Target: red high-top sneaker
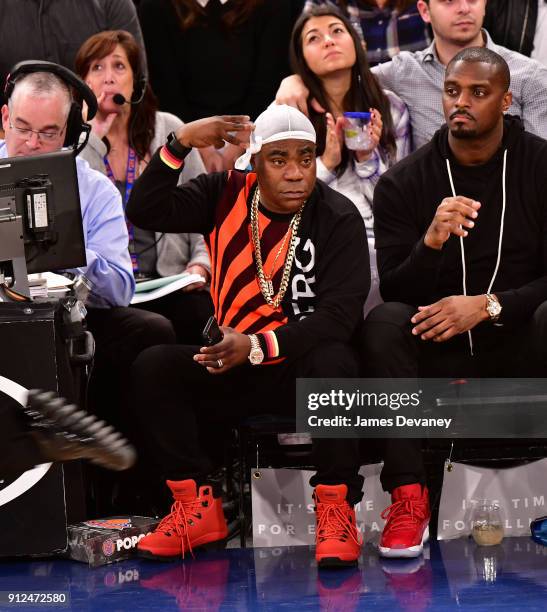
(195, 521)
(337, 540)
(407, 524)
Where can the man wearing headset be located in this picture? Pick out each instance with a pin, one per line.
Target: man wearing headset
(35, 121)
(39, 114)
(461, 236)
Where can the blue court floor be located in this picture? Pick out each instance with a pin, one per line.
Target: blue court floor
(452, 575)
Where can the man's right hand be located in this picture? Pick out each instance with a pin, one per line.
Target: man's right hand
(453, 216)
(215, 131)
(293, 92)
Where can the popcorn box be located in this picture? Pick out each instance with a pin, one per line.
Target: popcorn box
(103, 541)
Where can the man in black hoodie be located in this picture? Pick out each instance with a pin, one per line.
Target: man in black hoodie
(474, 194)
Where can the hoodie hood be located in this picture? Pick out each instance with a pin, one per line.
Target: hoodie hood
(513, 129)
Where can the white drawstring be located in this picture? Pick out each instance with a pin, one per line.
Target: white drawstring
(501, 223)
(462, 249)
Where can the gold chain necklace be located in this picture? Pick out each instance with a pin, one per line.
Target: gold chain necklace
(264, 282)
(269, 276)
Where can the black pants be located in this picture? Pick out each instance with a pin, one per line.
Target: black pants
(121, 334)
(187, 311)
(390, 350)
(187, 412)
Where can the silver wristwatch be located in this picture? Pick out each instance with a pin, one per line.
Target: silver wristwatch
(256, 355)
(493, 307)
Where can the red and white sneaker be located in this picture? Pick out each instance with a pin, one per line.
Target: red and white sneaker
(338, 542)
(407, 522)
(196, 520)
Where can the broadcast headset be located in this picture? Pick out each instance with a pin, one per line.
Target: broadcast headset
(75, 126)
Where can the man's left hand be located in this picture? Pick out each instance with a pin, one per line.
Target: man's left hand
(231, 351)
(450, 316)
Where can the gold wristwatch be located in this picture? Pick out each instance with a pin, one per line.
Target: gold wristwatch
(493, 307)
(256, 355)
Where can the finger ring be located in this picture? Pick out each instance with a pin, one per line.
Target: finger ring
(219, 363)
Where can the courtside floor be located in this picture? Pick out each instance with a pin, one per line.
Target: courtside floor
(452, 575)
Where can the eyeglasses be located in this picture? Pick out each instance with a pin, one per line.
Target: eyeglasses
(42, 136)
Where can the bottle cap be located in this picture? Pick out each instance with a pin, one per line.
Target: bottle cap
(357, 115)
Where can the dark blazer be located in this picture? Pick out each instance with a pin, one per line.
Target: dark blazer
(512, 23)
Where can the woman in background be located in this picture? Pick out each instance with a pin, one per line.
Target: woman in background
(126, 132)
(328, 56)
(386, 27)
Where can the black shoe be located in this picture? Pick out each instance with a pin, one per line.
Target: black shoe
(63, 432)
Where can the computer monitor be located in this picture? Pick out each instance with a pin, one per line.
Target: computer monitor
(43, 191)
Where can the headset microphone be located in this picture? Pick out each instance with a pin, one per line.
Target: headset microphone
(120, 99)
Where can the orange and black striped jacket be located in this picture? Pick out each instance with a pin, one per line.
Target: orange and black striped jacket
(330, 277)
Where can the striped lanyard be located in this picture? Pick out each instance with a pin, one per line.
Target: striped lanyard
(130, 176)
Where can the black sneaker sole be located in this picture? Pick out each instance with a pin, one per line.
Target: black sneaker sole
(336, 562)
(145, 554)
(64, 433)
(216, 545)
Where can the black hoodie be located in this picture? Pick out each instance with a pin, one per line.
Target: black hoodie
(405, 201)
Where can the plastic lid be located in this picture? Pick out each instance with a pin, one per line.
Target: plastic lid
(357, 115)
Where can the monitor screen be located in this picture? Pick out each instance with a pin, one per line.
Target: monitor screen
(43, 190)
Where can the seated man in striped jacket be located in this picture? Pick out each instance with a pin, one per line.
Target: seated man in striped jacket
(289, 277)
